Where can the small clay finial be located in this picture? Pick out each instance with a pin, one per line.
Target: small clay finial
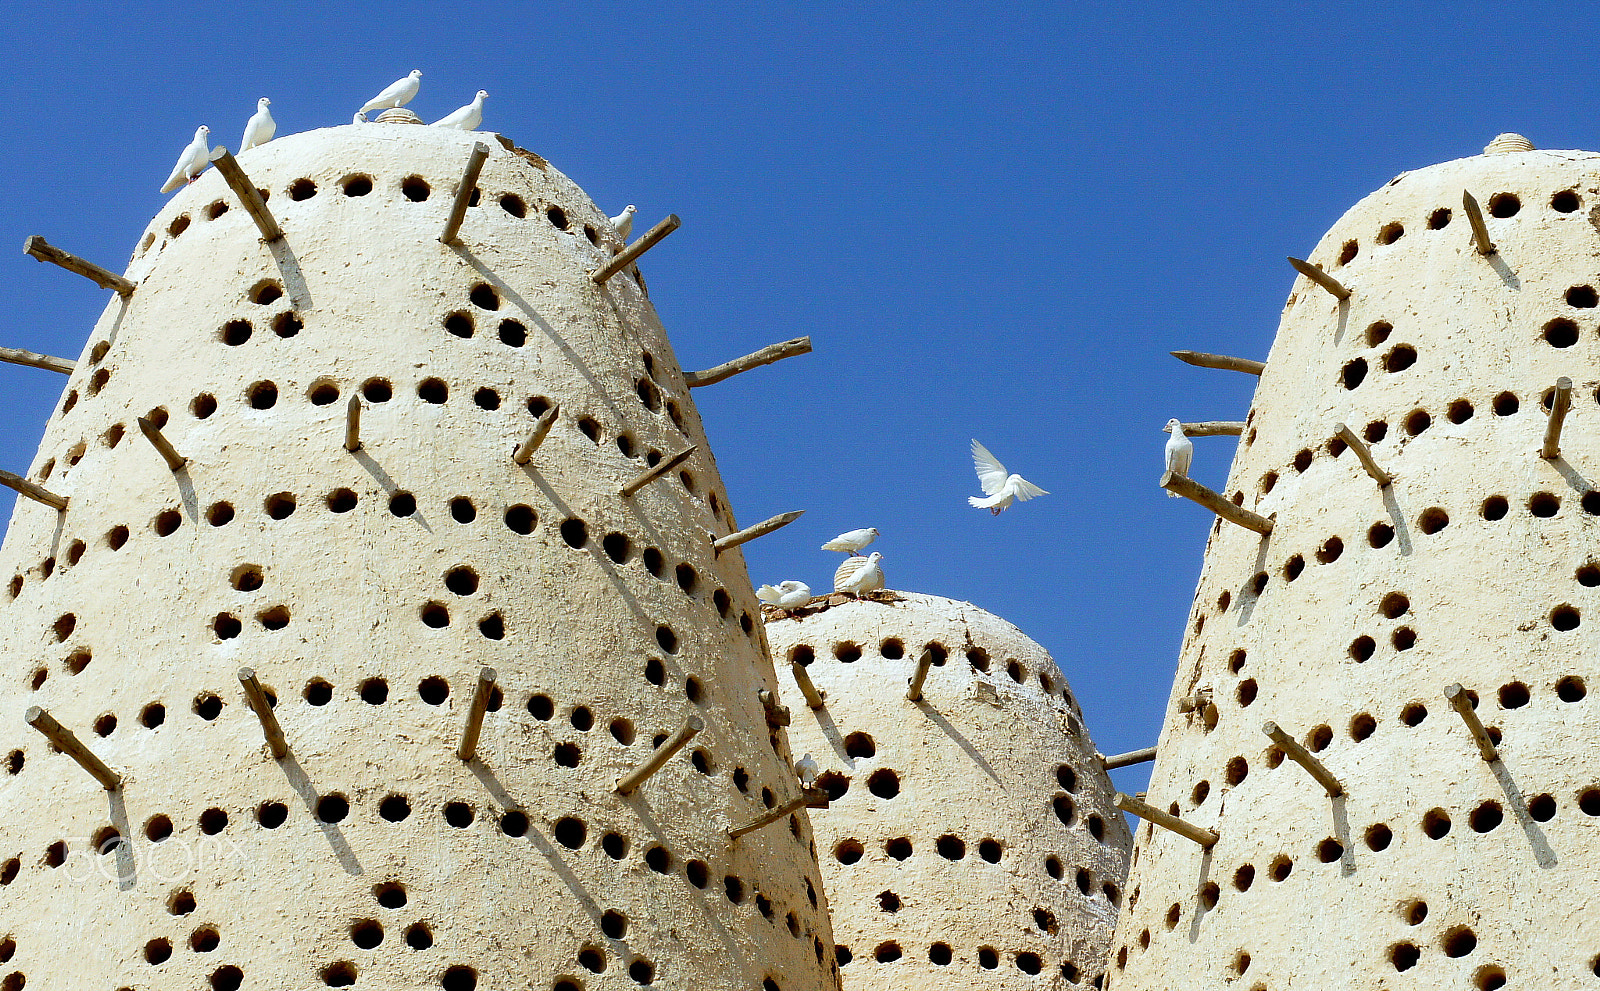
(1507, 142)
(398, 115)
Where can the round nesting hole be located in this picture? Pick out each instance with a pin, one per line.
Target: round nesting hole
(1561, 332)
(847, 652)
(1418, 421)
(356, 185)
(377, 390)
(1571, 689)
(461, 581)
(374, 691)
(1361, 648)
(1379, 332)
(1390, 233)
(1564, 618)
(514, 823)
(1495, 508)
(158, 829)
(462, 510)
(415, 188)
(1348, 252)
(402, 504)
(1404, 638)
(1544, 504)
(459, 324)
(1280, 868)
(435, 615)
(513, 204)
(860, 746)
(1246, 692)
(1486, 817)
(236, 332)
(1399, 358)
(341, 974)
(1376, 430)
(1582, 297)
(884, 783)
(215, 210)
(1404, 956)
(433, 690)
(1458, 942)
(150, 717)
(1354, 373)
(1330, 850)
(1413, 714)
(342, 500)
(1394, 605)
(266, 291)
(1362, 726)
(557, 217)
(1436, 824)
(263, 395)
(1378, 837)
(458, 814)
(484, 297)
(247, 577)
(1505, 404)
(366, 933)
(1293, 567)
(1504, 205)
(575, 532)
(433, 390)
(688, 578)
(302, 189)
(1380, 534)
(332, 808)
(1439, 219)
(1460, 411)
(1542, 808)
(1330, 550)
(570, 832)
(1565, 201)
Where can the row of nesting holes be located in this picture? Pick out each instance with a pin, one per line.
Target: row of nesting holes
(1501, 205)
(413, 187)
(893, 648)
(988, 958)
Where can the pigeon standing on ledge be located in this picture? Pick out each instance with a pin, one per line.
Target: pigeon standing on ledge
(868, 577)
(806, 769)
(1180, 451)
(852, 542)
(398, 94)
(261, 127)
(999, 488)
(466, 118)
(192, 161)
(788, 595)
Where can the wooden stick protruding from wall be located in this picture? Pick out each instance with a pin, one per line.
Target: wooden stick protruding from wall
(263, 710)
(541, 429)
(1125, 760)
(807, 799)
(1195, 492)
(1321, 278)
(766, 356)
(463, 195)
(1227, 363)
(651, 474)
(158, 440)
(639, 775)
(1559, 405)
(1480, 230)
(627, 256)
(480, 705)
(37, 493)
(1214, 428)
(352, 425)
(914, 687)
(248, 194)
(69, 744)
(1363, 454)
(44, 251)
(1151, 814)
(750, 533)
(808, 688)
(1462, 703)
(1300, 755)
(49, 362)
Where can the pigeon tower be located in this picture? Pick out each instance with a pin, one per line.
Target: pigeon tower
(304, 456)
(971, 841)
(1380, 723)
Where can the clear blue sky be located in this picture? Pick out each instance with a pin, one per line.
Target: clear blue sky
(993, 220)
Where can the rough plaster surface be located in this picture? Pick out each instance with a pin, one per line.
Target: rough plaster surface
(1374, 889)
(999, 850)
(609, 641)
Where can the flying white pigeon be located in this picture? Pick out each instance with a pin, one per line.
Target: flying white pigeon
(622, 223)
(466, 118)
(261, 127)
(852, 542)
(806, 767)
(192, 161)
(999, 487)
(787, 595)
(868, 577)
(398, 94)
(1180, 451)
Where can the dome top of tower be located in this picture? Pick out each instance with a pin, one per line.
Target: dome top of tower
(1507, 142)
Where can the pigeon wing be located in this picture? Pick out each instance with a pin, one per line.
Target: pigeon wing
(991, 473)
(1027, 490)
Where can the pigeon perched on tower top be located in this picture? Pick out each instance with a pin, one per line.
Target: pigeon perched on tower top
(787, 595)
(465, 118)
(193, 160)
(261, 127)
(999, 488)
(868, 576)
(852, 542)
(398, 94)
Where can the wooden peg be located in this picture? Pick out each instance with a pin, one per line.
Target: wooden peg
(1150, 813)
(45, 361)
(1129, 758)
(1321, 278)
(37, 493)
(541, 427)
(352, 425)
(1363, 454)
(480, 705)
(44, 251)
(1480, 230)
(158, 440)
(1558, 413)
(1192, 490)
(469, 181)
(914, 691)
(1214, 428)
(651, 474)
(1300, 755)
(766, 356)
(639, 775)
(750, 533)
(248, 194)
(69, 745)
(808, 688)
(808, 799)
(1462, 703)
(1225, 362)
(627, 255)
(269, 720)
(777, 714)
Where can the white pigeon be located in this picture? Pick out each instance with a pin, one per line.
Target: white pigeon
(852, 542)
(466, 118)
(261, 127)
(359, 118)
(787, 595)
(1180, 451)
(868, 577)
(398, 94)
(622, 223)
(999, 487)
(806, 767)
(192, 161)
